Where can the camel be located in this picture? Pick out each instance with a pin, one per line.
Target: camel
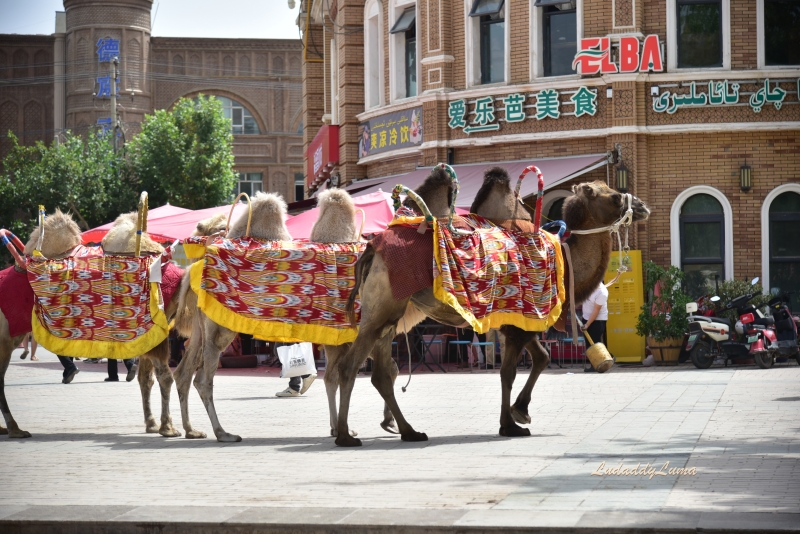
(592, 205)
(61, 236)
(121, 240)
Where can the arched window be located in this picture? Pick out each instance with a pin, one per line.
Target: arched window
(242, 121)
(403, 48)
(373, 47)
(552, 205)
(784, 245)
(702, 227)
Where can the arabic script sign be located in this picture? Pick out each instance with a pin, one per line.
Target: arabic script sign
(718, 94)
(594, 56)
(389, 132)
(546, 103)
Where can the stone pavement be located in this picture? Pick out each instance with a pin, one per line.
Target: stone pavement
(90, 464)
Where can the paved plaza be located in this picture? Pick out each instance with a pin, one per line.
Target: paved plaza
(90, 461)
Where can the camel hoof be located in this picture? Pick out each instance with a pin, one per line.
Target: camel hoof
(390, 427)
(229, 438)
(195, 434)
(347, 441)
(152, 429)
(18, 434)
(514, 431)
(520, 417)
(414, 436)
(170, 432)
(335, 433)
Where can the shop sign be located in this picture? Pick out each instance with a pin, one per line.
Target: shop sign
(719, 94)
(322, 154)
(400, 129)
(546, 103)
(107, 50)
(594, 56)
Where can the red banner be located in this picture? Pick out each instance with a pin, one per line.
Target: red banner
(323, 155)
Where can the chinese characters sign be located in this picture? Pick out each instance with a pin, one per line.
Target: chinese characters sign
(720, 93)
(545, 103)
(389, 132)
(107, 50)
(594, 56)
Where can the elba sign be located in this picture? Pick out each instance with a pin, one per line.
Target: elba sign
(594, 56)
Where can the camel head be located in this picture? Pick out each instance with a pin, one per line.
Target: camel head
(61, 235)
(594, 204)
(212, 225)
(337, 218)
(436, 191)
(268, 220)
(121, 238)
(496, 200)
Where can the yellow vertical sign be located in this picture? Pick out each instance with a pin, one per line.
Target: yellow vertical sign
(625, 299)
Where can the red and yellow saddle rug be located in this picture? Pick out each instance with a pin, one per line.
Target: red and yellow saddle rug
(277, 290)
(493, 277)
(95, 306)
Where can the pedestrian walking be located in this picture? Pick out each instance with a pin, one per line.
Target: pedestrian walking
(33, 346)
(70, 370)
(112, 370)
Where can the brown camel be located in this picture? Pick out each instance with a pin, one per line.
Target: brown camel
(121, 240)
(61, 236)
(592, 205)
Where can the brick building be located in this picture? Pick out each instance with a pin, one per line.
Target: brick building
(49, 84)
(695, 103)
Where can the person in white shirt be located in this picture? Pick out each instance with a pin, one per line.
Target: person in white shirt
(595, 314)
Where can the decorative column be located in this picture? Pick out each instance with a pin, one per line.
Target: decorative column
(59, 71)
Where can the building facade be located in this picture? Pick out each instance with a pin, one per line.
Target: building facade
(53, 83)
(695, 102)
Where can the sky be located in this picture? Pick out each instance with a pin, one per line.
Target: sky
(264, 19)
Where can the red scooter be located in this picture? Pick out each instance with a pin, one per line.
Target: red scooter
(784, 343)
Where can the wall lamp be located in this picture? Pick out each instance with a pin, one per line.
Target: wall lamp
(745, 177)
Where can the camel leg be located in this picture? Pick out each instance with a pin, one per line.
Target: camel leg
(541, 359)
(217, 338)
(383, 379)
(333, 354)
(183, 378)
(388, 423)
(160, 360)
(515, 341)
(7, 344)
(146, 381)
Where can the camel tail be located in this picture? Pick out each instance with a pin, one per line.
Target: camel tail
(187, 303)
(362, 270)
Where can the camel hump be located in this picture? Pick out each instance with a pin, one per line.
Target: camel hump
(212, 225)
(61, 234)
(336, 222)
(268, 219)
(121, 238)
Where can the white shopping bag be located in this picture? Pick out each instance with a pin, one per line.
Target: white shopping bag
(297, 360)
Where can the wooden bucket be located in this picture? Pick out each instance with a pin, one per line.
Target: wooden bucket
(598, 354)
(665, 352)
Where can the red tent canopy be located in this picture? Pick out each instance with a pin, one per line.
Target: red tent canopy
(95, 235)
(182, 225)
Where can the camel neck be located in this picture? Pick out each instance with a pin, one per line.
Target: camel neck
(590, 255)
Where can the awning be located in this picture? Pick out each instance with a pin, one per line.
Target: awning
(554, 170)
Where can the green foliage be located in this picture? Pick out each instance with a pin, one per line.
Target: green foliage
(663, 316)
(82, 176)
(185, 156)
(730, 289)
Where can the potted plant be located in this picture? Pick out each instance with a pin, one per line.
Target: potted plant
(663, 319)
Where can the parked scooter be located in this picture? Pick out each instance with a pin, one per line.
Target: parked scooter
(710, 337)
(785, 343)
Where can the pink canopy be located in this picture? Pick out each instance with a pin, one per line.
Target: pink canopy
(182, 225)
(95, 235)
(378, 213)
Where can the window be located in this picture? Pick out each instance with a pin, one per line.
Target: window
(373, 44)
(249, 182)
(782, 32)
(492, 39)
(242, 121)
(559, 36)
(784, 245)
(699, 33)
(299, 186)
(404, 34)
(702, 227)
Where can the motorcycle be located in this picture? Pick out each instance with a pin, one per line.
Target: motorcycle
(786, 340)
(712, 337)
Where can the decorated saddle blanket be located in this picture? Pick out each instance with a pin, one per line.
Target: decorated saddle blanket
(492, 276)
(171, 276)
(277, 290)
(16, 300)
(90, 305)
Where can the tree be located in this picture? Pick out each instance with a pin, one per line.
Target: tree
(185, 156)
(79, 175)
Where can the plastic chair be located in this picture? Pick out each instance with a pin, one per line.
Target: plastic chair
(457, 343)
(485, 344)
